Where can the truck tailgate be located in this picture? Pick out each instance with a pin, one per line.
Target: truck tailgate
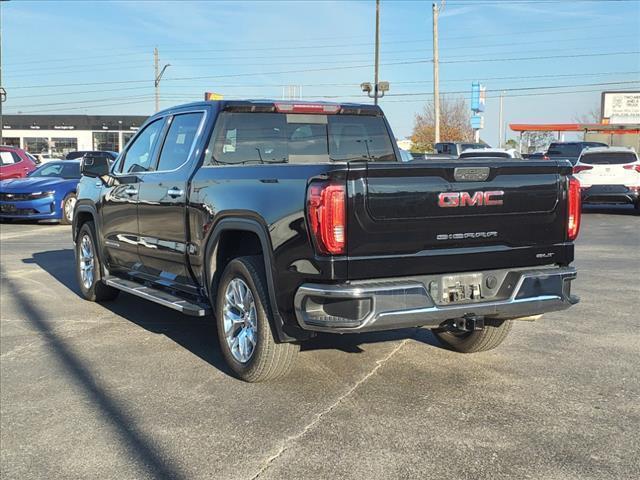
(436, 217)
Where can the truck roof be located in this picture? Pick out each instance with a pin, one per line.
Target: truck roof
(264, 105)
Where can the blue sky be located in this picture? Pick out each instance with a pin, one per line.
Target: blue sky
(97, 57)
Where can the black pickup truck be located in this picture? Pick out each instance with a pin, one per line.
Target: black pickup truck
(280, 220)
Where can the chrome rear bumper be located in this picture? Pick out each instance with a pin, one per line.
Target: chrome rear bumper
(401, 303)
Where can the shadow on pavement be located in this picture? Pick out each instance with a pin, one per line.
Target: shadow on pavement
(199, 335)
(153, 460)
(610, 209)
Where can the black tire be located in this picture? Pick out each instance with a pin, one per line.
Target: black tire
(66, 203)
(96, 291)
(493, 334)
(269, 359)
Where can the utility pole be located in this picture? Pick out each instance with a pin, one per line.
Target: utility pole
(156, 70)
(377, 59)
(157, 76)
(501, 126)
(436, 75)
(3, 93)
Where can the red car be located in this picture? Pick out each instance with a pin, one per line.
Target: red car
(15, 163)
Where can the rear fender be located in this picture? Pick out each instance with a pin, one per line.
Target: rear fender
(260, 230)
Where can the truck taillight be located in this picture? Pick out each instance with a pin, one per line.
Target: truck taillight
(574, 207)
(326, 210)
(581, 168)
(321, 108)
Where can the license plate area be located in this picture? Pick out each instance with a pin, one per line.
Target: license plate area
(452, 289)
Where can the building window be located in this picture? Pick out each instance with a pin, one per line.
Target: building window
(36, 145)
(61, 146)
(106, 141)
(126, 136)
(11, 141)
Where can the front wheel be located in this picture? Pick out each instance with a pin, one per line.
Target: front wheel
(68, 207)
(492, 335)
(243, 322)
(88, 269)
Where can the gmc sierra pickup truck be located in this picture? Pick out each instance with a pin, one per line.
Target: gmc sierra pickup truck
(279, 220)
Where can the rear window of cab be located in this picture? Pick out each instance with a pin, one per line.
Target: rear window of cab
(242, 138)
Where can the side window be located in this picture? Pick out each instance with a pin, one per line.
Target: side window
(180, 137)
(8, 158)
(248, 138)
(138, 157)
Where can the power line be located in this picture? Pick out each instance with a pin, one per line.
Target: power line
(339, 85)
(334, 54)
(184, 95)
(305, 64)
(305, 47)
(324, 69)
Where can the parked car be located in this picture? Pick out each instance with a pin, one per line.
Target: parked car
(47, 193)
(609, 175)
(569, 150)
(15, 163)
(491, 153)
(82, 153)
(456, 148)
(405, 155)
(535, 156)
(287, 219)
(44, 158)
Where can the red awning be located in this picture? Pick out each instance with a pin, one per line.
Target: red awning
(575, 127)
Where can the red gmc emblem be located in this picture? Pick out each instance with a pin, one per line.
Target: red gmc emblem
(465, 199)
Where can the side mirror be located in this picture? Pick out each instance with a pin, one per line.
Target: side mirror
(95, 166)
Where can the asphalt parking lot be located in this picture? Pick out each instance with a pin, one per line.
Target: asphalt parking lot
(129, 389)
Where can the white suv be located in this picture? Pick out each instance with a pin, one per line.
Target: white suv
(609, 175)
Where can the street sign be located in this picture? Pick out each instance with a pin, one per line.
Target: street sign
(478, 97)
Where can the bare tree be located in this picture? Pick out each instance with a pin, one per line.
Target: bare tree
(454, 124)
(592, 115)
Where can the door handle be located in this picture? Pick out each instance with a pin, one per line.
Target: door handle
(131, 191)
(175, 192)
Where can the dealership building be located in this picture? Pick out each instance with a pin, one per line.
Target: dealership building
(56, 135)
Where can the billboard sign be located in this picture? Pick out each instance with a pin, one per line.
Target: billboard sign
(620, 107)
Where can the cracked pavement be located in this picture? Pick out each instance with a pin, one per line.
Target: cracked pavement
(129, 389)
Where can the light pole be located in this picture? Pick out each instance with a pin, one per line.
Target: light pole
(378, 88)
(158, 76)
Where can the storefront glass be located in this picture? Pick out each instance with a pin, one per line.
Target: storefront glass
(61, 146)
(11, 141)
(106, 141)
(36, 145)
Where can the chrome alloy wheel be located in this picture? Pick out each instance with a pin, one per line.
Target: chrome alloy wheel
(68, 208)
(240, 320)
(86, 263)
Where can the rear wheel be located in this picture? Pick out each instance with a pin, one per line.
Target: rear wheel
(492, 335)
(88, 268)
(243, 321)
(68, 206)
